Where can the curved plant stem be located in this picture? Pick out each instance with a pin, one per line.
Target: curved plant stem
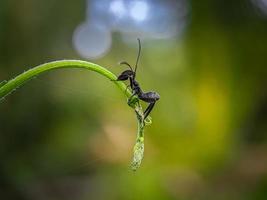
(6, 87)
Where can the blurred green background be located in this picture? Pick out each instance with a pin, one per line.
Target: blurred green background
(69, 134)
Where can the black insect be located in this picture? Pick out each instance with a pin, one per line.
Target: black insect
(149, 97)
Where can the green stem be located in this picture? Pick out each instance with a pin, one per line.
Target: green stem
(9, 86)
(139, 147)
(6, 87)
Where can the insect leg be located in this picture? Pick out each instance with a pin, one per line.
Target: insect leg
(126, 88)
(130, 99)
(134, 93)
(148, 109)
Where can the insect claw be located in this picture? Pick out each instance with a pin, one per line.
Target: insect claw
(148, 120)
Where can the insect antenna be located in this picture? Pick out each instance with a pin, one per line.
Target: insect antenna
(127, 64)
(138, 56)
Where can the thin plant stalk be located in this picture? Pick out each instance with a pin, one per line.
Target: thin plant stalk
(7, 87)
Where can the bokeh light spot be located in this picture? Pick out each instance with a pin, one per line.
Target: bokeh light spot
(139, 10)
(91, 40)
(261, 5)
(118, 8)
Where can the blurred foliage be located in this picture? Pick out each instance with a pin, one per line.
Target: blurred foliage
(69, 134)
